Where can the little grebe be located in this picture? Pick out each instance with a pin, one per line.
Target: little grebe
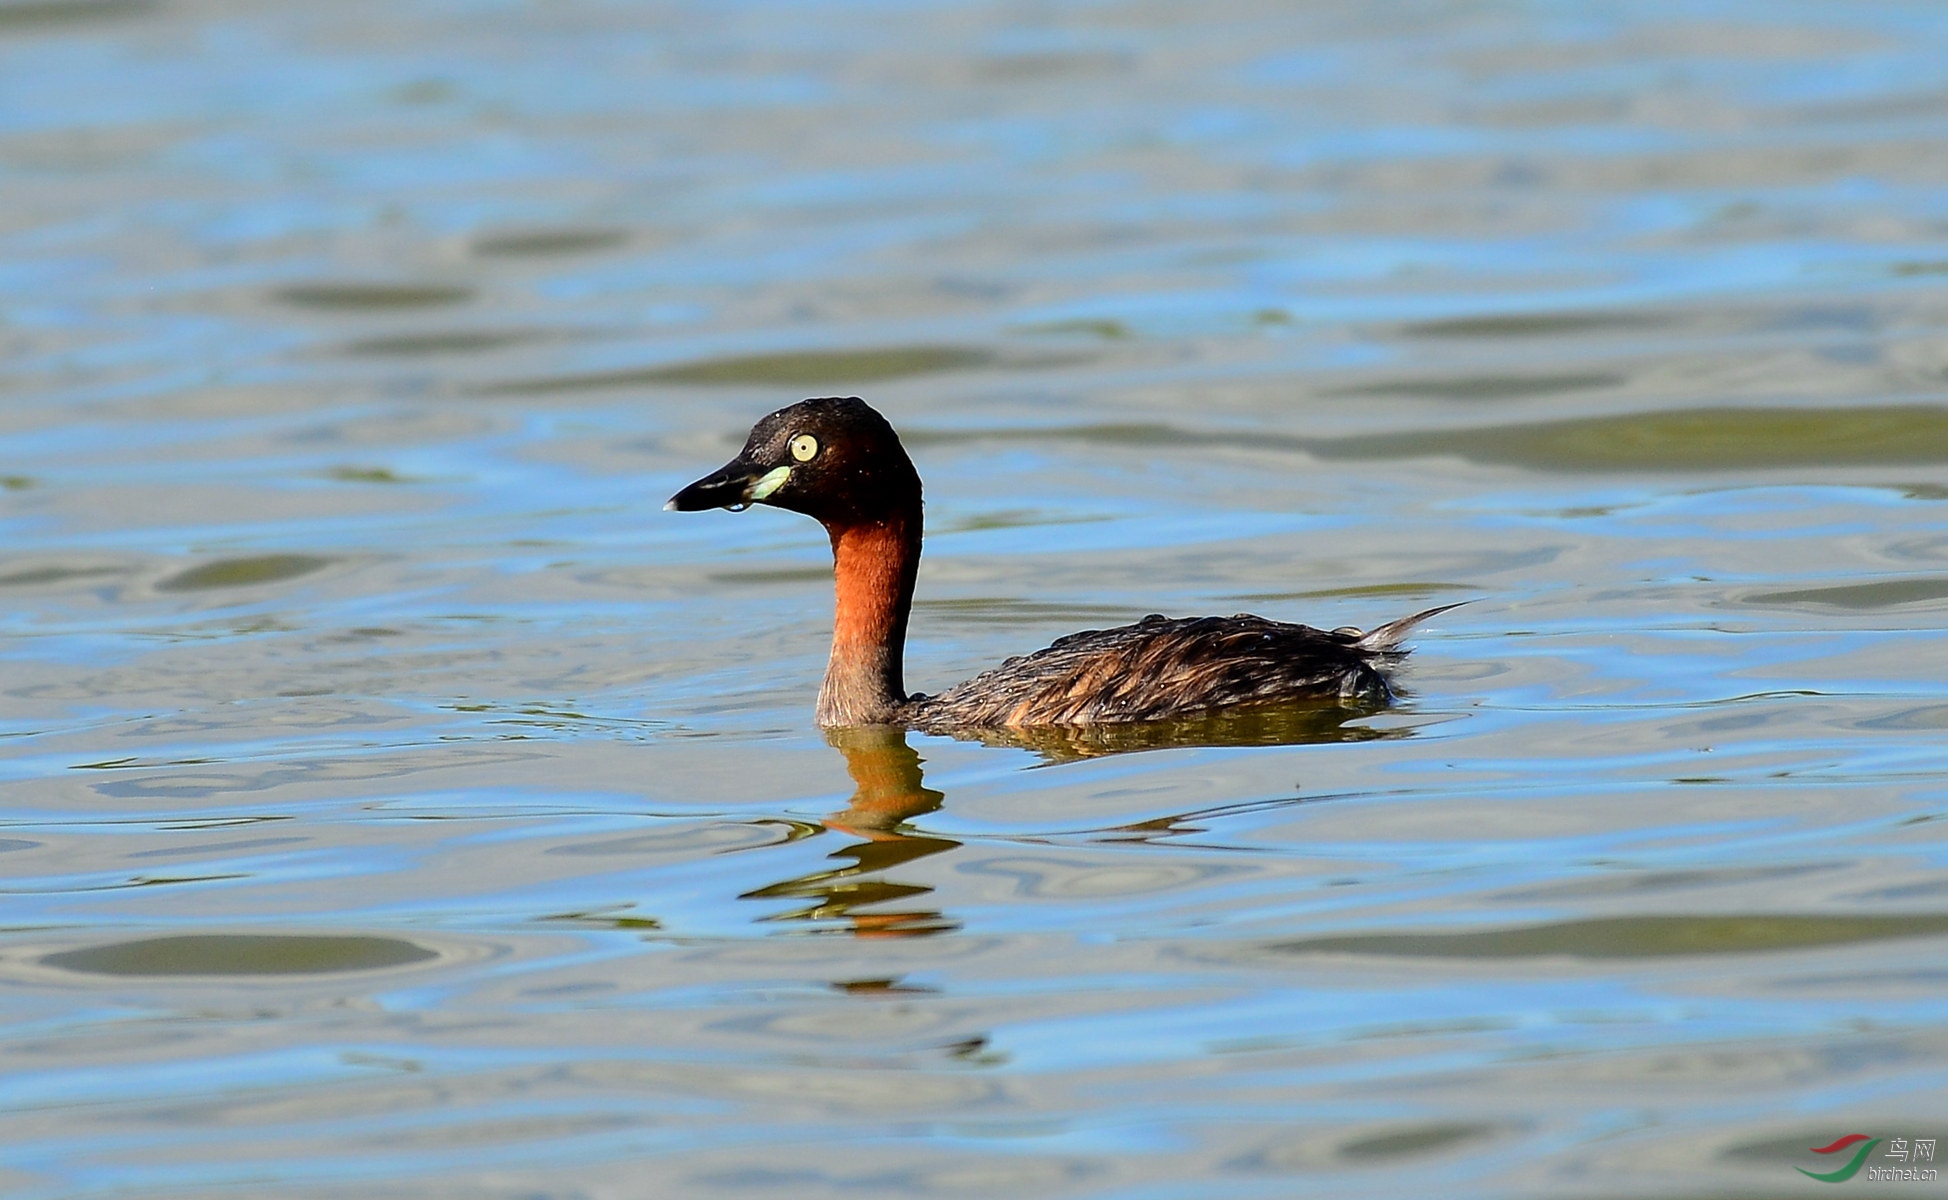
(839, 461)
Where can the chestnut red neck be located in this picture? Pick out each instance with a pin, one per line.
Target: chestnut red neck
(874, 564)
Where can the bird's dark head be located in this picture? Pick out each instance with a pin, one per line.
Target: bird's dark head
(835, 459)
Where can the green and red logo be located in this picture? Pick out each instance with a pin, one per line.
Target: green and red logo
(1852, 1167)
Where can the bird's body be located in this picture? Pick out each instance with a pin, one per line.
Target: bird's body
(839, 461)
(1159, 669)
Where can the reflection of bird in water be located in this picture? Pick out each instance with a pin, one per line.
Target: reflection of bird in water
(1295, 723)
(890, 792)
(839, 461)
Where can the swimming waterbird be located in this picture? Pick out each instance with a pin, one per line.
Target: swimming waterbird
(839, 461)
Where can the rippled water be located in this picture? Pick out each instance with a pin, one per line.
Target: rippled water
(398, 803)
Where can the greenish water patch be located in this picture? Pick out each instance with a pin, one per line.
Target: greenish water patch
(1889, 593)
(1010, 610)
(604, 920)
(243, 572)
(458, 341)
(373, 296)
(424, 91)
(1680, 440)
(241, 954)
(31, 14)
(1416, 1140)
(779, 575)
(1630, 937)
(1107, 330)
(802, 368)
(38, 576)
(367, 475)
(16, 483)
(1638, 882)
(1366, 589)
(1014, 518)
(1938, 266)
(545, 243)
(1110, 434)
(1543, 324)
(1487, 387)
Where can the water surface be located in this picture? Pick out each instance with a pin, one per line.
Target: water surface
(397, 802)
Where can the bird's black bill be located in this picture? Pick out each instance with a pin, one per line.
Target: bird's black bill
(729, 486)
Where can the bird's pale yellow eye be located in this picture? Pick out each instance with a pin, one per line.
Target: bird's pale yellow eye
(804, 447)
